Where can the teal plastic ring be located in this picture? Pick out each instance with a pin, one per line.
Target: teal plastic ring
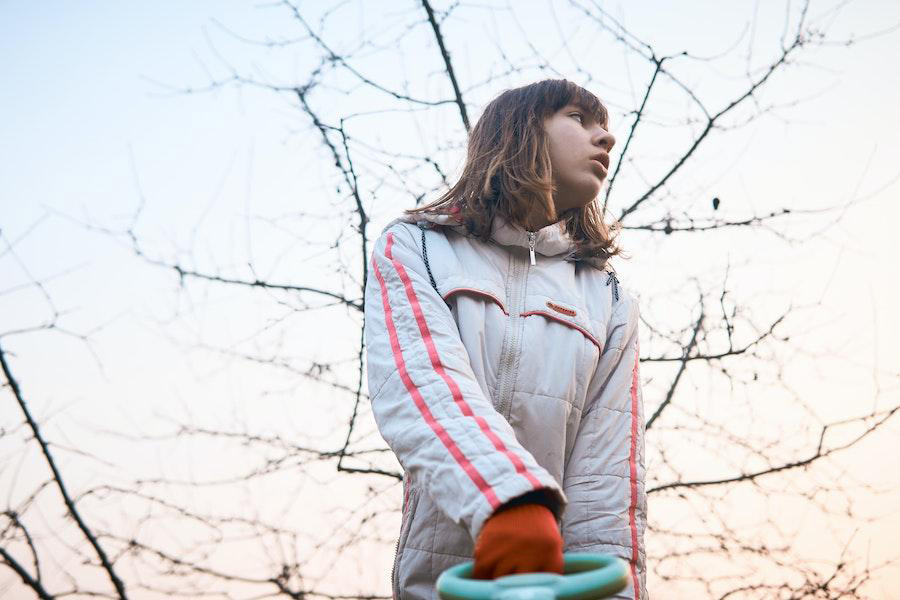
(587, 576)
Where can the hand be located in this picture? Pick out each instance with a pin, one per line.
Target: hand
(518, 539)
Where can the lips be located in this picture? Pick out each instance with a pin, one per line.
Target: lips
(603, 159)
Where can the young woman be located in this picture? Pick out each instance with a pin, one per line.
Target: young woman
(503, 356)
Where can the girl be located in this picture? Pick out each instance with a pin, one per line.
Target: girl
(503, 356)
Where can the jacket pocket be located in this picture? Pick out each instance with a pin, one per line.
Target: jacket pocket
(575, 344)
(481, 315)
(410, 502)
(484, 292)
(575, 318)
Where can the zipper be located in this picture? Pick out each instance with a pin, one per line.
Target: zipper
(531, 236)
(394, 563)
(509, 355)
(399, 535)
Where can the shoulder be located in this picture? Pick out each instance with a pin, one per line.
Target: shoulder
(400, 230)
(412, 230)
(424, 249)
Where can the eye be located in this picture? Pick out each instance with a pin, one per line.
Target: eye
(579, 115)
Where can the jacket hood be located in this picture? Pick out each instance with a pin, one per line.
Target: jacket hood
(551, 240)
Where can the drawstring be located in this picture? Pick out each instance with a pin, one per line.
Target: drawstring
(615, 281)
(425, 258)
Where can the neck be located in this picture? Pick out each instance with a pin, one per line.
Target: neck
(537, 220)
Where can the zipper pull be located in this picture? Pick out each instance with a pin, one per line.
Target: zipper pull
(531, 236)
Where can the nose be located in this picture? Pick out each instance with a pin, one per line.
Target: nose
(603, 138)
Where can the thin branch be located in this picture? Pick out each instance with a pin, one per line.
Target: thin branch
(57, 477)
(818, 454)
(27, 579)
(681, 369)
(448, 64)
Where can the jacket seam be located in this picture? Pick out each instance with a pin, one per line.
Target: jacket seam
(373, 397)
(438, 552)
(595, 544)
(594, 477)
(494, 391)
(609, 408)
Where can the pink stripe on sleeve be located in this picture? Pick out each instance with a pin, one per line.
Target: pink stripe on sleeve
(451, 383)
(441, 433)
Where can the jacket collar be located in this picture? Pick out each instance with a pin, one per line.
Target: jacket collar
(552, 240)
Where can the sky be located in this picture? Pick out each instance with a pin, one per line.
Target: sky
(97, 124)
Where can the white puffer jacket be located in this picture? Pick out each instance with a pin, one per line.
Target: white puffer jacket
(519, 374)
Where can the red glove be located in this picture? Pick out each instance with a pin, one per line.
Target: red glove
(519, 539)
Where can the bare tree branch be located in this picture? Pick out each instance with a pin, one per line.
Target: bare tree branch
(118, 584)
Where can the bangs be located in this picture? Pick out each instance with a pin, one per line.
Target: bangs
(588, 102)
(552, 95)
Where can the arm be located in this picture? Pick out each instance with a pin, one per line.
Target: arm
(604, 478)
(426, 400)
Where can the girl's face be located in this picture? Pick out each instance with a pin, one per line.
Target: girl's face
(579, 156)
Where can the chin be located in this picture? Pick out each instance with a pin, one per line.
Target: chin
(592, 190)
(577, 207)
(586, 193)
(590, 196)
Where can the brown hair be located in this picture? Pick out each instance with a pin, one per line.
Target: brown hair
(508, 171)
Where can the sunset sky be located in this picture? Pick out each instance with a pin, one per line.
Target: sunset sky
(97, 122)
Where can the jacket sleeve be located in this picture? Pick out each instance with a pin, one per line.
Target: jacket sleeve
(426, 400)
(604, 479)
